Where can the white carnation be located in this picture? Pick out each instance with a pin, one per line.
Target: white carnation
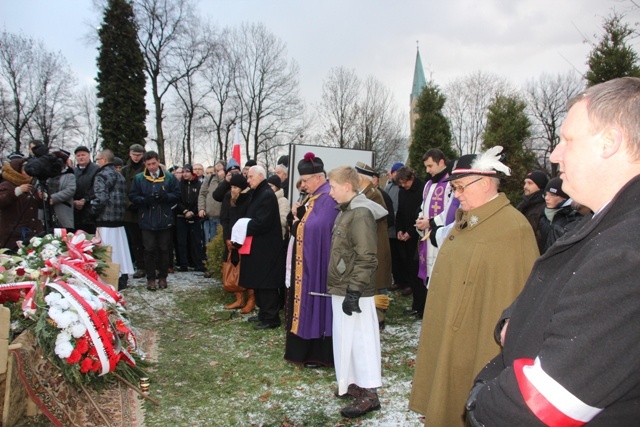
(78, 330)
(67, 318)
(62, 337)
(35, 241)
(63, 349)
(52, 297)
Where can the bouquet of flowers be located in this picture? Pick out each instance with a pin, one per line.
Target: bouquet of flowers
(78, 320)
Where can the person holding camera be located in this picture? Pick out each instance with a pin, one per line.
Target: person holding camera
(154, 193)
(19, 203)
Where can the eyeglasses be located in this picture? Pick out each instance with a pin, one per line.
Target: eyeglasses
(460, 188)
(304, 181)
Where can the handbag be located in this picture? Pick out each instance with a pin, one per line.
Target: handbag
(231, 276)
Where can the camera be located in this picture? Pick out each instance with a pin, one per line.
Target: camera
(44, 165)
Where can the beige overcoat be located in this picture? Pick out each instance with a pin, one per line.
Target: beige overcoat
(383, 273)
(480, 269)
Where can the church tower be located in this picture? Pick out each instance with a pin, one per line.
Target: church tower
(419, 82)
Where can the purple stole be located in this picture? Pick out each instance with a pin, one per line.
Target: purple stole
(435, 206)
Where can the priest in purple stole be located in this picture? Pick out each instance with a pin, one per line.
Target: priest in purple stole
(308, 316)
(438, 209)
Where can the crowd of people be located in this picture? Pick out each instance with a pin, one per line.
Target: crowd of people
(527, 312)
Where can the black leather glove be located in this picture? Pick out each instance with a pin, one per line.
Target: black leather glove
(350, 303)
(471, 404)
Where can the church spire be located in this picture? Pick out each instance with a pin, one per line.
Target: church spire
(419, 81)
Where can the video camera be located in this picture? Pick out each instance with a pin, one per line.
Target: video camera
(43, 165)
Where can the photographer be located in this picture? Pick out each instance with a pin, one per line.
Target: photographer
(18, 205)
(84, 172)
(61, 189)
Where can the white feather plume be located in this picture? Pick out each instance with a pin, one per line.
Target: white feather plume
(490, 160)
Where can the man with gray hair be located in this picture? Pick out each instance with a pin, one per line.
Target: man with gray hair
(571, 342)
(262, 268)
(283, 173)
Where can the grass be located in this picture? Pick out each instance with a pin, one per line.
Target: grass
(215, 370)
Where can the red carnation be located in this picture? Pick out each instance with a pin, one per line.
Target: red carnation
(97, 366)
(74, 357)
(82, 345)
(20, 271)
(86, 365)
(93, 351)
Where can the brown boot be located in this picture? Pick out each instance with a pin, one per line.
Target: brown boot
(239, 301)
(162, 283)
(367, 401)
(151, 284)
(251, 302)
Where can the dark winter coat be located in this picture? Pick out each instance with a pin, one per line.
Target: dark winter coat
(154, 199)
(129, 171)
(84, 190)
(564, 220)
(189, 193)
(409, 202)
(578, 317)
(532, 207)
(263, 268)
(110, 198)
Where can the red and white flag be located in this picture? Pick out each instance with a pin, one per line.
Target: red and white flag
(236, 146)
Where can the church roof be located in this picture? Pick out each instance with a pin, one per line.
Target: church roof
(419, 81)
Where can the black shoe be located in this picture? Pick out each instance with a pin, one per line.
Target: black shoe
(253, 319)
(139, 274)
(406, 292)
(410, 312)
(263, 325)
(183, 269)
(381, 326)
(312, 365)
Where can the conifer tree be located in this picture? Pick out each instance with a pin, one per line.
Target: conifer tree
(508, 125)
(121, 80)
(613, 57)
(431, 128)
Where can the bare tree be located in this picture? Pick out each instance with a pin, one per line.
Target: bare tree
(88, 128)
(53, 118)
(547, 99)
(380, 124)
(466, 107)
(338, 108)
(197, 46)
(222, 105)
(162, 25)
(17, 83)
(267, 85)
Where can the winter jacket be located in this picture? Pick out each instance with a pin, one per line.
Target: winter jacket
(205, 198)
(129, 171)
(61, 190)
(574, 329)
(532, 207)
(354, 247)
(189, 191)
(18, 214)
(154, 199)
(84, 190)
(555, 223)
(409, 202)
(110, 198)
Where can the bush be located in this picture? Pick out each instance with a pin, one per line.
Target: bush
(215, 251)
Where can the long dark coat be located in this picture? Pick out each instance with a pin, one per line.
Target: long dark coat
(263, 268)
(578, 316)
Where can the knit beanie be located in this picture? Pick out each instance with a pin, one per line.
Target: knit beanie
(539, 177)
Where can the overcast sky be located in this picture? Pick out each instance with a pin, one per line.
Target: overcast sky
(519, 39)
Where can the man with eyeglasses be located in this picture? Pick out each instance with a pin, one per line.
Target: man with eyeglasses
(482, 265)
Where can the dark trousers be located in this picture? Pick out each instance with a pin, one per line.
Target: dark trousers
(190, 245)
(157, 245)
(409, 258)
(136, 248)
(268, 302)
(396, 263)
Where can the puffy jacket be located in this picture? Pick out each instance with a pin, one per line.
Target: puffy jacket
(154, 199)
(354, 247)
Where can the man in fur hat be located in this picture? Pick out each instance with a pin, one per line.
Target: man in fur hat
(482, 265)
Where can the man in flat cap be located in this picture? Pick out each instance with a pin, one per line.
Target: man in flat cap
(482, 265)
(85, 171)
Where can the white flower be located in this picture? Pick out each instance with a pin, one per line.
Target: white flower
(35, 241)
(56, 243)
(52, 298)
(67, 318)
(63, 349)
(78, 330)
(63, 336)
